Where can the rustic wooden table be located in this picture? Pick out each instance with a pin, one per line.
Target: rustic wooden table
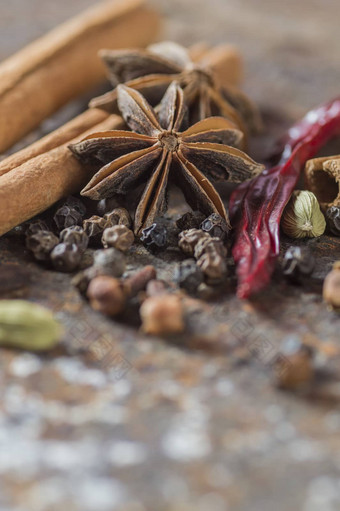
(116, 421)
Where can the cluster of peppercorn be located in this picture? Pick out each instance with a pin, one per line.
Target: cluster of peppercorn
(96, 246)
(204, 243)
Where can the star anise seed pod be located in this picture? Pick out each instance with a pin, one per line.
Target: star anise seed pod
(151, 71)
(156, 149)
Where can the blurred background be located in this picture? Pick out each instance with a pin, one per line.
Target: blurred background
(291, 48)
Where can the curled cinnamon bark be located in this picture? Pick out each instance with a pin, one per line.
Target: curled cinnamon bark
(56, 68)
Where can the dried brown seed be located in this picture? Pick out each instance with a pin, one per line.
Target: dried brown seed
(66, 257)
(331, 287)
(94, 227)
(119, 237)
(41, 244)
(294, 367)
(138, 281)
(75, 235)
(162, 315)
(209, 244)
(187, 240)
(107, 295)
(216, 226)
(66, 216)
(118, 216)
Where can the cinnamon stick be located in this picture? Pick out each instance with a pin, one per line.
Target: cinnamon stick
(63, 64)
(38, 183)
(65, 133)
(43, 180)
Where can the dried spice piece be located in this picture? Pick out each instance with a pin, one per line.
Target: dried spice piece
(190, 220)
(106, 295)
(41, 244)
(27, 326)
(302, 217)
(157, 150)
(151, 71)
(119, 237)
(139, 280)
(109, 262)
(118, 216)
(294, 369)
(155, 237)
(188, 275)
(67, 216)
(94, 228)
(216, 226)
(322, 177)
(110, 295)
(298, 262)
(333, 220)
(75, 235)
(331, 287)
(256, 208)
(77, 204)
(211, 257)
(187, 240)
(36, 226)
(66, 257)
(162, 315)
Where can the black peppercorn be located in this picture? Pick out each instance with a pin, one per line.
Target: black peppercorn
(333, 220)
(35, 226)
(77, 204)
(216, 226)
(41, 244)
(109, 261)
(155, 237)
(66, 257)
(188, 275)
(75, 235)
(67, 216)
(187, 240)
(298, 262)
(190, 220)
(94, 228)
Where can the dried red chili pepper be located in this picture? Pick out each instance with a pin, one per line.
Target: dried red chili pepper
(256, 207)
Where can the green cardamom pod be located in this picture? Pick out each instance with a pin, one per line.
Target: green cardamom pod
(27, 326)
(302, 217)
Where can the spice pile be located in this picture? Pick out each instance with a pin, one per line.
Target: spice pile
(180, 125)
(183, 127)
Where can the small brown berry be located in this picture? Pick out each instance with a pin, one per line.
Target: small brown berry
(162, 315)
(41, 244)
(331, 287)
(119, 237)
(118, 216)
(94, 227)
(106, 295)
(187, 240)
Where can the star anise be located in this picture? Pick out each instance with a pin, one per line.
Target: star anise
(157, 150)
(151, 71)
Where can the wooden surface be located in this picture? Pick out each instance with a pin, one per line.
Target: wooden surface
(113, 420)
